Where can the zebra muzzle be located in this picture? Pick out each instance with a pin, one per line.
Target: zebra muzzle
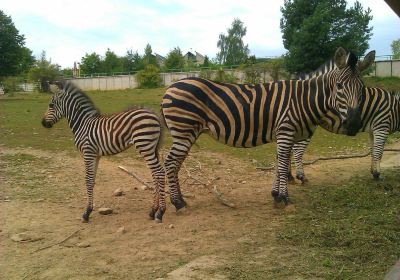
(46, 124)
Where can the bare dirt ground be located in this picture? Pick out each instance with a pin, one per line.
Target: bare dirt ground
(204, 242)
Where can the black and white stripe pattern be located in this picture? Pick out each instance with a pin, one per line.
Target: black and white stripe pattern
(99, 135)
(251, 115)
(380, 116)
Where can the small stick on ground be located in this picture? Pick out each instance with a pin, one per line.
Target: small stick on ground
(214, 190)
(331, 158)
(136, 177)
(58, 243)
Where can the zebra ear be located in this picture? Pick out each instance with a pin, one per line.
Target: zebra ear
(340, 57)
(367, 61)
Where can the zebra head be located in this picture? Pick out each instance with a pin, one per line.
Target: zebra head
(54, 110)
(347, 87)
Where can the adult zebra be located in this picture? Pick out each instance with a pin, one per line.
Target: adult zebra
(98, 135)
(252, 115)
(380, 116)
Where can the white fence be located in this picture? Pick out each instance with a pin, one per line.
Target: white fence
(119, 82)
(387, 68)
(382, 69)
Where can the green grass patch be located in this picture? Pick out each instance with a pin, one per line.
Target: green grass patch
(349, 231)
(388, 83)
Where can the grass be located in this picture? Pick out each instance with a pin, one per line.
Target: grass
(21, 114)
(388, 83)
(347, 231)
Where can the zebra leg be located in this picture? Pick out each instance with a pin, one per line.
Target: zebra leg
(290, 176)
(173, 162)
(91, 164)
(279, 190)
(157, 171)
(299, 149)
(379, 139)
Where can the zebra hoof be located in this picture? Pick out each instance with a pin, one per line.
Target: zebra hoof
(85, 216)
(302, 178)
(179, 204)
(281, 200)
(376, 175)
(159, 215)
(152, 214)
(275, 194)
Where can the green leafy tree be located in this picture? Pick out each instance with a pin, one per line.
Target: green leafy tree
(313, 29)
(132, 61)
(396, 49)
(232, 50)
(91, 63)
(148, 57)
(174, 59)
(206, 62)
(15, 58)
(111, 63)
(44, 71)
(149, 77)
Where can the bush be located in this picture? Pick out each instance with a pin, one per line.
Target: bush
(225, 77)
(11, 84)
(206, 74)
(149, 77)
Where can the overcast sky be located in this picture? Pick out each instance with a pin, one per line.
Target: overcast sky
(67, 29)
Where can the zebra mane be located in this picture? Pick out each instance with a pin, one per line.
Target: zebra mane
(324, 68)
(84, 100)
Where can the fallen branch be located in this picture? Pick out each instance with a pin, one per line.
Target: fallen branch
(214, 190)
(222, 199)
(58, 243)
(136, 177)
(331, 158)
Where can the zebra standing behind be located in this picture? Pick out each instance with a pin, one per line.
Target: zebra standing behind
(380, 116)
(251, 115)
(98, 135)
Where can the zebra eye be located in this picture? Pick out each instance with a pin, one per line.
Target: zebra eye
(339, 86)
(51, 105)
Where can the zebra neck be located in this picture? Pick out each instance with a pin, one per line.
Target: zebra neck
(320, 101)
(77, 111)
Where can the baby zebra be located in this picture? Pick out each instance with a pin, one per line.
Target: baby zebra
(98, 135)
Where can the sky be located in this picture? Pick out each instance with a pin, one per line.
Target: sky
(68, 29)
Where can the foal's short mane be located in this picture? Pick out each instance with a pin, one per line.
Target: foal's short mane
(74, 91)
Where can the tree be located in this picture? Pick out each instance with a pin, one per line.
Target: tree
(174, 59)
(396, 49)
(91, 63)
(232, 49)
(149, 58)
(132, 61)
(149, 77)
(206, 62)
(313, 29)
(14, 57)
(44, 71)
(111, 63)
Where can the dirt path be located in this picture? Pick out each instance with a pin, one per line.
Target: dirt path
(45, 198)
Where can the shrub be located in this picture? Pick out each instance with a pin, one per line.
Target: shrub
(149, 77)
(206, 74)
(225, 77)
(11, 84)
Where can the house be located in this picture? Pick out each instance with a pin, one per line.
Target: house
(195, 57)
(160, 59)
